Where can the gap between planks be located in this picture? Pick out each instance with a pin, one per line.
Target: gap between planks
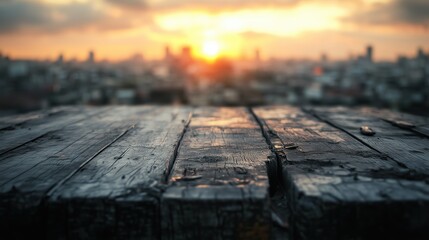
(176, 149)
(274, 165)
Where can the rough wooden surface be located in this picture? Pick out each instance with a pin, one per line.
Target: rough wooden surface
(29, 130)
(166, 172)
(29, 170)
(416, 124)
(13, 121)
(406, 148)
(340, 188)
(115, 194)
(219, 186)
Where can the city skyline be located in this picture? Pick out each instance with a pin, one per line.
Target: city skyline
(211, 54)
(290, 29)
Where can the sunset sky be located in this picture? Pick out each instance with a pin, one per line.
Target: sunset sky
(116, 29)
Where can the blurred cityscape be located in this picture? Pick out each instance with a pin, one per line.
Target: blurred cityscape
(179, 78)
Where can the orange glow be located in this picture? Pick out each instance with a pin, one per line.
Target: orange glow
(211, 49)
(116, 30)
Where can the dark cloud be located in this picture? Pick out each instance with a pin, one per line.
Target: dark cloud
(15, 15)
(128, 4)
(415, 12)
(30, 15)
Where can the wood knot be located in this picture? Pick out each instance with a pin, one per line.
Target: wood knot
(367, 131)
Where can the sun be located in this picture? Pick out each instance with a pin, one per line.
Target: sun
(211, 49)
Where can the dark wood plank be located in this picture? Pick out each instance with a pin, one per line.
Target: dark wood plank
(417, 124)
(32, 130)
(339, 188)
(407, 149)
(219, 185)
(116, 194)
(13, 121)
(27, 173)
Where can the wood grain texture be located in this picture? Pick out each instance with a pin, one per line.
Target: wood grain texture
(14, 121)
(219, 185)
(28, 172)
(32, 130)
(166, 172)
(412, 123)
(409, 150)
(116, 194)
(339, 188)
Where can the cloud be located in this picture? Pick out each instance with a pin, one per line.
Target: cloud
(15, 15)
(46, 16)
(218, 4)
(129, 4)
(412, 12)
(35, 16)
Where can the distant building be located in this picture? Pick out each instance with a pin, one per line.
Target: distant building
(421, 57)
(18, 69)
(60, 59)
(323, 58)
(369, 52)
(420, 53)
(91, 57)
(186, 57)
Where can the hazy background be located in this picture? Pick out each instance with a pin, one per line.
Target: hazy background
(205, 52)
(115, 29)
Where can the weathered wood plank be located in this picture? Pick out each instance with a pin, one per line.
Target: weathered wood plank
(219, 184)
(417, 124)
(116, 194)
(407, 149)
(27, 173)
(339, 188)
(14, 121)
(32, 130)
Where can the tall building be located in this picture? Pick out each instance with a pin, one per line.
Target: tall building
(60, 59)
(369, 51)
(420, 53)
(421, 57)
(91, 57)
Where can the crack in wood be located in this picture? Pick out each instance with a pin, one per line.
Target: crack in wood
(5, 149)
(25, 143)
(275, 162)
(60, 183)
(406, 126)
(176, 150)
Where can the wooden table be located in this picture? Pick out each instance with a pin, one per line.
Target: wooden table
(171, 172)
